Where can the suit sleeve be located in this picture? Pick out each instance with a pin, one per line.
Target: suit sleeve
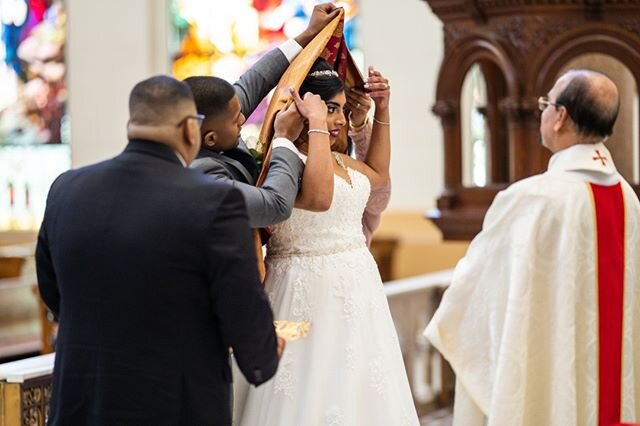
(256, 83)
(47, 282)
(272, 202)
(239, 303)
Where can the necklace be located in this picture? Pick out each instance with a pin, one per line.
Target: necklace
(341, 164)
(339, 160)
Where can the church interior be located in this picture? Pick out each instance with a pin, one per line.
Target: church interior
(465, 77)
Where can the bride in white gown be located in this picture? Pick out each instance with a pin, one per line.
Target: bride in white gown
(349, 369)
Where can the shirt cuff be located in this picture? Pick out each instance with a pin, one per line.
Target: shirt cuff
(286, 143)
(290, 49)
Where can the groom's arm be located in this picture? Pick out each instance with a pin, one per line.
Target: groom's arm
(272, 202)
(257, 81)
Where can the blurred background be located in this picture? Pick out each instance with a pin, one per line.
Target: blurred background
(69, 65)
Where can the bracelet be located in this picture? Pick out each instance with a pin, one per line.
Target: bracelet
(360, 127)
(321, 131)
(384, 123)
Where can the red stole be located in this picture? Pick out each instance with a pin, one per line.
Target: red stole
(610, 246)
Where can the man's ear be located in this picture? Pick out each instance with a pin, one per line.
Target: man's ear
(192, 135)
(209, 139)
(561, 119)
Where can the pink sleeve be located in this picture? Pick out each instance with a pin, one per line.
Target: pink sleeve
(379, 199)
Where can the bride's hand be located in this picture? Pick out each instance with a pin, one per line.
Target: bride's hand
(311, 107)
(379, 89)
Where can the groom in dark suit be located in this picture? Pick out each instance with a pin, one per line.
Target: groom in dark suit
(150, 269)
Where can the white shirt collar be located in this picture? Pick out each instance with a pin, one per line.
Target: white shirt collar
(583, 157)
(184, 163)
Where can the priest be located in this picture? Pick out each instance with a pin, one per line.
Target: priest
(541, 323)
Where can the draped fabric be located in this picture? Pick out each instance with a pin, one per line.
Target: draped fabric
(328, 44)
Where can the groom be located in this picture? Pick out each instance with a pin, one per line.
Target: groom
(225, 156)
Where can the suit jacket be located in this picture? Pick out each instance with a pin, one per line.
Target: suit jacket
(273, 202)
(150, 269)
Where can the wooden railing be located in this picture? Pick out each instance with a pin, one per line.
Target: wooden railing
(412, 302)
(19, 310)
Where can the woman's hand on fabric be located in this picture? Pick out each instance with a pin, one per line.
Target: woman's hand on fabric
(378, 87)
(358, 103)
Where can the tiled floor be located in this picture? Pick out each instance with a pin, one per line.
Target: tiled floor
(442, 417)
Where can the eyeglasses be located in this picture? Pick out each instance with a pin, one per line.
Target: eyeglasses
(544, 102)
(199, 117)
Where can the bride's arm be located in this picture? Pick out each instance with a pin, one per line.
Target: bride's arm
(376, 163)
(316, 190)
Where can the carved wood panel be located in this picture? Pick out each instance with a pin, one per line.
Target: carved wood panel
(527, 42)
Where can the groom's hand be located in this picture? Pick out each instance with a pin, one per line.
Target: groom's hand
(322, 14)
(280, 348)
(288, 123)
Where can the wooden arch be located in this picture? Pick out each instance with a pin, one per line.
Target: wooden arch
(615, 42)
(529, 42)
(496, 65)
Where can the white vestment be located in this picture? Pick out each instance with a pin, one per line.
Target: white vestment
(519, 323)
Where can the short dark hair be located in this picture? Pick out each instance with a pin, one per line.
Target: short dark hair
(151, 100)
(212, 94)
(326, 85)
(591, 116)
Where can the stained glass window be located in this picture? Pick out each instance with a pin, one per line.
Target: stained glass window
(34, 131)
(225, 37)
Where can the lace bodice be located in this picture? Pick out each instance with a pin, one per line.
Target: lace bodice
(338, 229)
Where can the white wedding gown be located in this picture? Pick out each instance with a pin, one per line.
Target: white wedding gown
(349, 369)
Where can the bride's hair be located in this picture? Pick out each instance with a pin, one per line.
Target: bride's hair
(322, 80)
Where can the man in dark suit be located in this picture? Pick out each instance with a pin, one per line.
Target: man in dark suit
(150, 269)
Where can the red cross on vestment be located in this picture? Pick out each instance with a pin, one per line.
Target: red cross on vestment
(599, 157)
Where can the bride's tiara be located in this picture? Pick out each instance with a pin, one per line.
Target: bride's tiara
(324, 73)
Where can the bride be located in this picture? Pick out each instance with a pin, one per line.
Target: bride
(349, 369)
